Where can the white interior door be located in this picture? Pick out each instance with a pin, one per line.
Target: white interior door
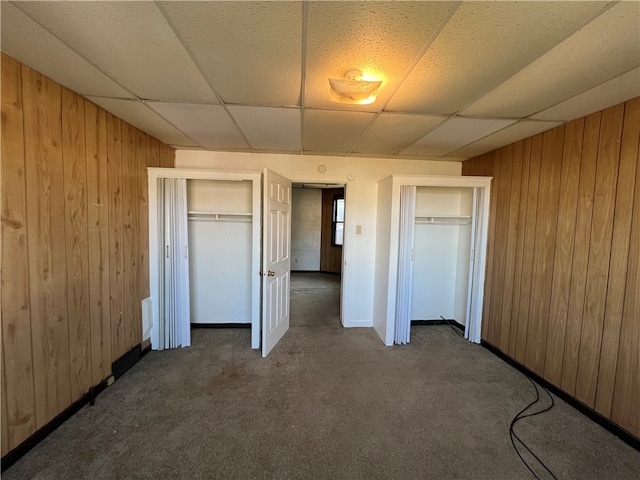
(472, 262)
(276, 259)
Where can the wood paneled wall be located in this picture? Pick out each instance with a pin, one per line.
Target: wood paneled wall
(330, 255)
(563, 270)
(75, 250)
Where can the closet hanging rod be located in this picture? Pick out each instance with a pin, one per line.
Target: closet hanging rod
(235, 214)
(443, 219)
(431, 215)
(197, 215)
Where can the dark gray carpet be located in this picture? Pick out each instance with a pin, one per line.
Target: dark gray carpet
(328, 403)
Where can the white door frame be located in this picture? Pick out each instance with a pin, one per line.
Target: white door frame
(343, 185)
(154, 251)
(483, 184)
(346, 281)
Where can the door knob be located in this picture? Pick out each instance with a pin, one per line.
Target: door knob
(271, 274)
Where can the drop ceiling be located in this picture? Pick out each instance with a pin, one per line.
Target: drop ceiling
(459, 78)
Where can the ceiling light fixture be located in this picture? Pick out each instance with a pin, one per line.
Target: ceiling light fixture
(353, 89)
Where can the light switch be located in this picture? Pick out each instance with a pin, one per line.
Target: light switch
(358, 229)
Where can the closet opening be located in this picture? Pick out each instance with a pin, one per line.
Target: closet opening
(431, 241)
(442, 245)
(219, 216)
(317, 242)
(204, 254)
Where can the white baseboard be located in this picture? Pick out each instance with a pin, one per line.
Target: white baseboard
(358, 324)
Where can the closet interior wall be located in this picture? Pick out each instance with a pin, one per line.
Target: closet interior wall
(220, 245)
(74, 245)
(442, 243)
(562, 290)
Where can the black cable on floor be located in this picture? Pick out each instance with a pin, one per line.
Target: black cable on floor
(520, 415)
(456, 330)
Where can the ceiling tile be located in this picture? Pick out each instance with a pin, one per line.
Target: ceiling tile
(381, 39)
(140, 116)
(455, 133)
(26, 41)
(506, 136)
(568, 69)
(543, 61)
(618, 90)
(391, 133)
(269, 128)
(209, 125)
(483, 44)
(249, 51)
(333, 131)
(129, 41)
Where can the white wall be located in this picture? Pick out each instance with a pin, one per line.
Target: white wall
(306, 228)
(434, 271)
(221, 196)
(361, 203)
(383, 245)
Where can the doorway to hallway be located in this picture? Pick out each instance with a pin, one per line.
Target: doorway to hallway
(317, 239)
(315, 299)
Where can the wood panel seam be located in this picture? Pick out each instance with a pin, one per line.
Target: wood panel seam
(615, 201)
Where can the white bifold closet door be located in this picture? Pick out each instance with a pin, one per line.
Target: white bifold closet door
(472, 331)
(402, 334)
(175, 314)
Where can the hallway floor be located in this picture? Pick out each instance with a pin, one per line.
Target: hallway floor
(315, 299)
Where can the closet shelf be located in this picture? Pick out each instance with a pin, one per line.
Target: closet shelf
(219, 216)
(443, 219)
